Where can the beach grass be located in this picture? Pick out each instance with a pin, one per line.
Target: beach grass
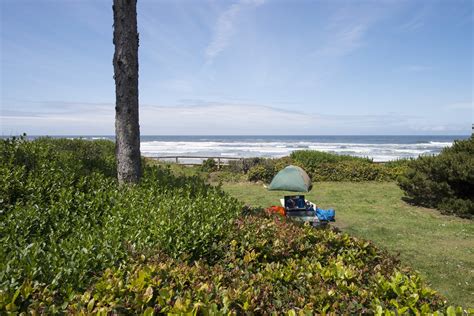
(440, 247)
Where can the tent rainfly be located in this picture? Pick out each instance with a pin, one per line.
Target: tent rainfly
(291, 178)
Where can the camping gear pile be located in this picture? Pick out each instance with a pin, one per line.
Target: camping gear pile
(296, 207)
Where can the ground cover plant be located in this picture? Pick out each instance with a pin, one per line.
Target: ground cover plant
(270, 265)
(440, 247)
(73, 241)
(63, 218)
(445, 181)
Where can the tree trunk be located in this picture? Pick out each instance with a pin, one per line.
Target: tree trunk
(127, 128)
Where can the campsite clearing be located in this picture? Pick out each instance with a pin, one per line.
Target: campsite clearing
(440, 247)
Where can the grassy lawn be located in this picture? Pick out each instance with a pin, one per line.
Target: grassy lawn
(440, 247)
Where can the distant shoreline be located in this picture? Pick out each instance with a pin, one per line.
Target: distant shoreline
(379, 148)
(243, 135)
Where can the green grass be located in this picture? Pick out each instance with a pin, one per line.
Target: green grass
(179, 170)
(440, 247)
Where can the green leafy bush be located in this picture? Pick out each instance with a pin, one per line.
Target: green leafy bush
(311, 158)
(259, 169)
(263, 172)
(269, 266)
(323, 166)
(445, 181)
(244, 165)
(37, 169)
(63, 219)
(209, 165)
(281, 163)
(350, 171)
(396, 168)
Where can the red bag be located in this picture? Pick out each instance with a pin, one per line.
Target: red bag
(276, 210)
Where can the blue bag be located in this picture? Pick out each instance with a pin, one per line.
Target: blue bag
(326, 215)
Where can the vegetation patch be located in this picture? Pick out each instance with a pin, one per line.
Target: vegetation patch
(268, 265)
(331, 167)
(209, 165)
(73, 241)
(445, 182)
(312, 158)
(440, 247)
(64, 219)
(320, 166)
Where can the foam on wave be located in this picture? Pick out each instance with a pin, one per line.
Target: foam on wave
(378, 152)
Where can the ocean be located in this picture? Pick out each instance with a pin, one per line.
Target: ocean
(379, 148)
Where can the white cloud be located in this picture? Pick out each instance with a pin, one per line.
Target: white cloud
(463, 106)
(347, 29)
(225, 27)
(57, 118)
(217, 118)
(417, 20)
(344, 40)
(177, 85)
(460, 108)
(204, 118)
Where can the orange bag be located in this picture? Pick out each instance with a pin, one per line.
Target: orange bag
(276, 210)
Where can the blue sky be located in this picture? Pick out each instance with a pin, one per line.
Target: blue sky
(243, 67)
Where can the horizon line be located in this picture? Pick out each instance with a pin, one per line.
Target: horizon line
(231, 135)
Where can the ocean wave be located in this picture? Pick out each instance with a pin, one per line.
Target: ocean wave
(441, 143)
(259, 148)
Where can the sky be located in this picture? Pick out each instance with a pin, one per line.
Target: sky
(246, 67)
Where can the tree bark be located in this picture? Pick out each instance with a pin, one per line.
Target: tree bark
(127, 128)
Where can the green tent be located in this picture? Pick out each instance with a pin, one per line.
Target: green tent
(292, 178)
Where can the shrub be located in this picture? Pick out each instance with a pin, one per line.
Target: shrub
(63, 218)
(235, 166)
(269, 266)
(320, 166)
(397, 168)
(244, 165)
(445, 181)
(209, 165)
(281, 163)
(38, 168)
(399, 163)
(263, 169)
(353, 170)
(311, 158)
(349, 171)
(264, 172)
(323, 166)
